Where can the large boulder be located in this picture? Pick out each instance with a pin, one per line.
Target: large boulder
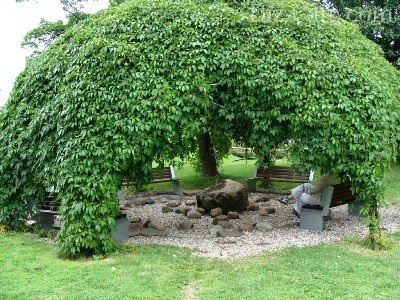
(229, 195)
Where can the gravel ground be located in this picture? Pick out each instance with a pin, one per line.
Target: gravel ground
(284, 233)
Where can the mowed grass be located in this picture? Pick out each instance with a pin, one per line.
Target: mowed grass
(392, 186)
(32, 270)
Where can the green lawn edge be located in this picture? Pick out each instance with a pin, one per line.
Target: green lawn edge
(31, 269)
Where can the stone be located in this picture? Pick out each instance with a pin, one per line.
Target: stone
(149, 201)
(139, 201)
(190, 202)
(264, 226)
(215, 212)
(185, 225)
(271, 210)
(157, 226)
(254, 198)
(225, 224)
(201, 210)
(229, 195)
(135, 219)
(219, 218)
(246, 227)
(146, 222)
(250, 222)
(215, 229)
(254, 207)
(229, 233)
(263, 213)
(178, 210)
(192, 214)
(135, 226)
(185, 210)
(263, 199)
(233, 215)
(174, 197)
(166, 209)
(162, 199)
(222, 217)
(129, 197)
(175, 203)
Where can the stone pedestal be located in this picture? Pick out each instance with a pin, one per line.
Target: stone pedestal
(45, 219)
(311, 219)
(122, 228)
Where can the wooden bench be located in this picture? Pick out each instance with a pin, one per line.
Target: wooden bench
(277, 174)
(332, 196)
(167, 174)
(49, 211)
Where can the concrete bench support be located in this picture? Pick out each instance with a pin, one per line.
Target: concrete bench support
(312, 219)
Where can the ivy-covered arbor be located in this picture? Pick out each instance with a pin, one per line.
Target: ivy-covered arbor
(139, 82)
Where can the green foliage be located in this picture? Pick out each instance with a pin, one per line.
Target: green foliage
(137, 83)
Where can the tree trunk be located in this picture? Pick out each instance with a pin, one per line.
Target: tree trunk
(207, 155)
(375, 233)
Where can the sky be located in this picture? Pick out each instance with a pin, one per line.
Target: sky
(16, 19)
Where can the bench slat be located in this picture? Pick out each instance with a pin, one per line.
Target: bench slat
(290, 180)
(164, 180)
(167, 175)
(163, 173)
(281, 174)
(277, 174)
(161, 176)
(342, 195)
(284, 175)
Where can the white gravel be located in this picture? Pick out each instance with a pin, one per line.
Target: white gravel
(283, 235)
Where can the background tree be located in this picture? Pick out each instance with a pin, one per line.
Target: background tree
(140, 82)
(47, 32)
(378, 20)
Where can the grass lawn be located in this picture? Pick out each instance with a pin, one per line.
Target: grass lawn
(30, 269)
(392, 186)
